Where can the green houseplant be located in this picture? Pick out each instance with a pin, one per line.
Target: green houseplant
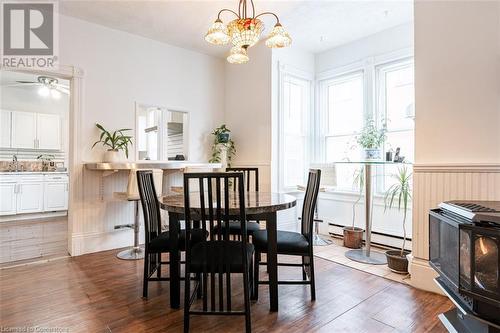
(399, 194)
(353, 236)
(371, 140)
(115, 141)
(221, 142)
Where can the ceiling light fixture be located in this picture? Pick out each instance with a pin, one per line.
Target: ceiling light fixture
(244, 32)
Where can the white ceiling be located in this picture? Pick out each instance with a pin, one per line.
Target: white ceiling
(315, 26)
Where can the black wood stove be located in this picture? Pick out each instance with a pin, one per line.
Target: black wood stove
(465, 251)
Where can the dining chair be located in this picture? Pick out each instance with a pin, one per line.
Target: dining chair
(293, 243)
(157, 242)
(218, 256)
(248, 174)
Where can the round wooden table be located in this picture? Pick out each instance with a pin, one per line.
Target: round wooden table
(260, 206)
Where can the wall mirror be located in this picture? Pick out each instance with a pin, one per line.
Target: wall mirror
(161, 133)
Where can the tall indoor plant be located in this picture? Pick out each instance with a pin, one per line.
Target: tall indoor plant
(223, 146)
(353, 236)
(115, 141)
(399, 193)
(371, 140)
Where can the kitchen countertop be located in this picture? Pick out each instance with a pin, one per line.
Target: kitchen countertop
(32, 172)
(165, 165)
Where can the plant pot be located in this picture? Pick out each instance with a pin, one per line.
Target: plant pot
(396, 262)
(223, 137)
(353, 237)
(371, 154)
(112, 156)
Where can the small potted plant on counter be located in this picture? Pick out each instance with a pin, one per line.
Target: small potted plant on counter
(371, 140)
(223, 148)
(115, 142)
(399, 192)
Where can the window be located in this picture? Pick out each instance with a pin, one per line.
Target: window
(344, 117)
(395, 85)
(294, 131)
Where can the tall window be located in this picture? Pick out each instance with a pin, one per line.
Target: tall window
(295, 112)
(344, 118)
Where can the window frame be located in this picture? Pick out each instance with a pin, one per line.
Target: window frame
(286, 72)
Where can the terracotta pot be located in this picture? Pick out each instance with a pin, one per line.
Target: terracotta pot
(397, 263)
(353, 237)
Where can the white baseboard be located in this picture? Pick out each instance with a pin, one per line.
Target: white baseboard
(422, 275)
(97, 242)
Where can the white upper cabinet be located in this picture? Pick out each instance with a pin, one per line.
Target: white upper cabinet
(30, 130)
(5, 129)
(48, 129)
(23, 130)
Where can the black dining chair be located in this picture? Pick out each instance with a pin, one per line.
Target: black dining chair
(218, 256)
(157, 242)
(248, 174)
(293, 243)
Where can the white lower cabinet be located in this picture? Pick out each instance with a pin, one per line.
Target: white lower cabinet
(56, 196)
(30, 195)
(23, 194)
(8, 200)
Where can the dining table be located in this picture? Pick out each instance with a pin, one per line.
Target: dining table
(259, 206)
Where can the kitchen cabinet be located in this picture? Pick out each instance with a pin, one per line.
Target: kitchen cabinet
(8, 200)
(48, 131)
(33, 193)
(23, 130)
(5, 129)
(30, 130)
(55, 193)
(30, 194)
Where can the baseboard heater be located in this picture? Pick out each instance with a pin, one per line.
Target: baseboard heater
(378, 238)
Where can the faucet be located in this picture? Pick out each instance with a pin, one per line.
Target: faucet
(15, 162)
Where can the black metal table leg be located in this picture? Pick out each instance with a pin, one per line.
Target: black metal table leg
(175, 262)
(272, 259)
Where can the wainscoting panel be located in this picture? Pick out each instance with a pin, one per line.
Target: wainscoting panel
(433, 184)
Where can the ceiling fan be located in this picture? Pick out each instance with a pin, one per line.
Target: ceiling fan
(48, 86)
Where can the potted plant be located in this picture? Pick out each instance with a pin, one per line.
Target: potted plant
(115, 142)
(222, 145)
(399, 192)
(371, 140)
(353, 236)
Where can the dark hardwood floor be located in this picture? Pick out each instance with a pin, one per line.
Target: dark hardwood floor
(100, 293)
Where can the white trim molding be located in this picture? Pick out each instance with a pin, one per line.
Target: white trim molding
(437, 182)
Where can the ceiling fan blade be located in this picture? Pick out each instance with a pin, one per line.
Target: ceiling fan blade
(61, 86)
(27, 82)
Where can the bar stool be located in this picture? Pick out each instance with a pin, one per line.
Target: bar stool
(136, 251)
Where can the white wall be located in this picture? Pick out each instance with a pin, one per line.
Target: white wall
(457, 105)
(387, 41)
(248, 111)
(121, 68)
(457, 63)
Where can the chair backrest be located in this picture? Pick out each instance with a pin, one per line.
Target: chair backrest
(247, 175)
(150, 204)
(215, 204)
(310, 199)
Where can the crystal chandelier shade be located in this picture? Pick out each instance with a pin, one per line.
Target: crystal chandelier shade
(244, 32)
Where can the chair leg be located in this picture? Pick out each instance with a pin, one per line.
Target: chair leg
(311, 277)
(246, 291)
(200, 284)
(304, 275)
(145, 278)
(187, 306)
(158, 270)
(256, 264)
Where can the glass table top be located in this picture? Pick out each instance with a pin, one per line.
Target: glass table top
(373, 162)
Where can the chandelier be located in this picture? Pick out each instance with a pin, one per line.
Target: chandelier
(244, 32)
